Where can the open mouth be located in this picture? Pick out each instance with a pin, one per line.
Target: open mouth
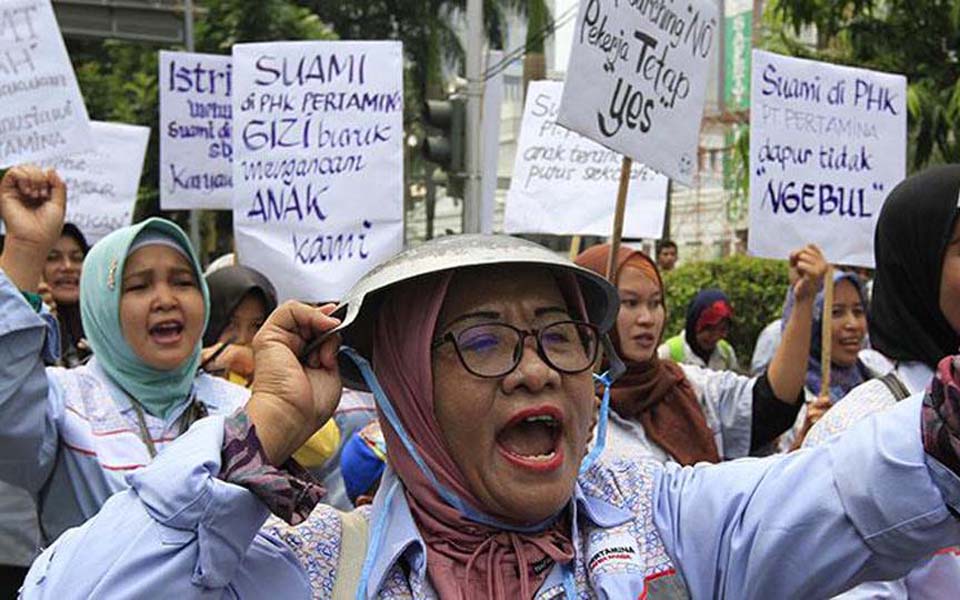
(167, 332)
(852, 344)
(66, 282)
(531, 439)
(644, 339)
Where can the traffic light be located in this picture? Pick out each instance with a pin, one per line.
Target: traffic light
(446, 147)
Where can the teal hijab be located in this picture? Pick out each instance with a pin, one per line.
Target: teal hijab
(100, 288)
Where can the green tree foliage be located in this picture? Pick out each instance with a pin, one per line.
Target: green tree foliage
(917, 38)
(756, 288)
(119, 79)
(229, 22)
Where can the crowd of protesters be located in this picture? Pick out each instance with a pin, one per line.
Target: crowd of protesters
(498, 422)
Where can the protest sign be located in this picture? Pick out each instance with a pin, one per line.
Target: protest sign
(637, 79)
(196, 148)
(827, 143)
(43, 112)
(565, 184)
(318, 171)
(102, 183)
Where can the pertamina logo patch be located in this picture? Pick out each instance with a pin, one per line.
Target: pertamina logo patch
(615, 553)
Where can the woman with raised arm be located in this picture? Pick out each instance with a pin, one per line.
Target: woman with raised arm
(851, 364)
(72, 436)
(665, 410)
(915, 309)
(479, 350)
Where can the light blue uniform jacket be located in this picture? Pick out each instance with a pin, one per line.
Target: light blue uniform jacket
(70, 436)
(868, 506)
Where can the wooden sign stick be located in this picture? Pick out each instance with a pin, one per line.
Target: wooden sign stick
(826, 333)
(575, 245)
(625, 169)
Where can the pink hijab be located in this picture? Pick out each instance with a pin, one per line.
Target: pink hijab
(464, 559)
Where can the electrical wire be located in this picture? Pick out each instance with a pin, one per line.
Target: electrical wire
(517, 53)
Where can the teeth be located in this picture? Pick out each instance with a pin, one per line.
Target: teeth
(543, 457)
(541, 419)
(538, 457)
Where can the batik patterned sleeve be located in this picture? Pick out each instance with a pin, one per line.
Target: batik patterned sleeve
(290, 491)
(941, 415)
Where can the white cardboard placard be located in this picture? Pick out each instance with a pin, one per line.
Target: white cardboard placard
(637, 79)
(566, 184)
(196, 147)
(827, 144)
(42, 114)
(102, 183)
(318, 169)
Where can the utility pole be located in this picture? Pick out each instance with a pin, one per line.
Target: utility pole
(757, 22)
(474, 152)
(191, 47)
(188, 24)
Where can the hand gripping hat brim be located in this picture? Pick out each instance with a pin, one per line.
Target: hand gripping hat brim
(360, 306)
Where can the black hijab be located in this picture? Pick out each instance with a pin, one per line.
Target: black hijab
(68, 315)
(913, 232)
(228, 287)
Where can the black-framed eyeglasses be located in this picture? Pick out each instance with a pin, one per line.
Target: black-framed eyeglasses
(494, 349)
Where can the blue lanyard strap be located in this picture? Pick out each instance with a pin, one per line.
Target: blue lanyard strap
(602, 418)
(569, 582)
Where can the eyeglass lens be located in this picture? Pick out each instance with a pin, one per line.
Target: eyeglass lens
(495, 349)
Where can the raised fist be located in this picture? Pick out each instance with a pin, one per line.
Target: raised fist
(291, 401)
(811, 267)
(32, 206)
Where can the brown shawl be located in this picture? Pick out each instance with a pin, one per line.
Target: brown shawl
(656, 393)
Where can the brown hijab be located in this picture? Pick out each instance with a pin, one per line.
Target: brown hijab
(656, 392)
